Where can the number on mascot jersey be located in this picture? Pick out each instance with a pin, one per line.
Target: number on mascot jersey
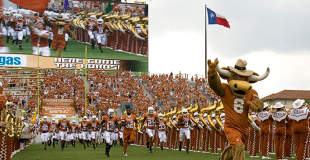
(61, 31)
(238, 105)
(150, 123)
(185, 123)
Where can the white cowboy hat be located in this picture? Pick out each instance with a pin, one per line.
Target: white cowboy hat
(278, 105)
(265, 105)
(298, 103)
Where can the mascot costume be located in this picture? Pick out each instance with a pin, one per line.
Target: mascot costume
(238, 98)
(59, 29)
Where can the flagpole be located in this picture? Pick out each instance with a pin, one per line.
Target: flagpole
(206, 58)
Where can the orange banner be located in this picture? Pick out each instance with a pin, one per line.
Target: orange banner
(58, 107)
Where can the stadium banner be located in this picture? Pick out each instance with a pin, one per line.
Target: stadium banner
(31, 61)
(58, 107)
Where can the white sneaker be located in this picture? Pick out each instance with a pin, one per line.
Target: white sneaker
(125, 154)
(272, 153)
(265, 157)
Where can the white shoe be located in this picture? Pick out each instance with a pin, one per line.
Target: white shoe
(272, 153)
(125, 154)
(254, 156)
(265, 157)
(215, 153)
(205, 152)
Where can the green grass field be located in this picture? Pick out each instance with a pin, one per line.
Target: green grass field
(77, 50)
(36, 152)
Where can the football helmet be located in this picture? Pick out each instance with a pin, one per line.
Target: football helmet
(184, 112)
(100, 21)
(63, 117)
(19, 17)
(160, 116)
(73, 122)
(27, 14)
(6, 14)
(84, 118)
(53, 120)
(196, 114)
(45, 118)
(93, 118)
(93, 18)
(111, 112)
(150, 110)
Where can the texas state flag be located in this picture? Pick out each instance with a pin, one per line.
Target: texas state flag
(215, 18)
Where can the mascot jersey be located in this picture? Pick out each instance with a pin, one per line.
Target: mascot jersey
(236, 109)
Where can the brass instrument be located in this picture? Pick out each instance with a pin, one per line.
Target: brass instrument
(204, 110)
(9, 129)
(143, 30)
(2, 119)
(218, 111)
(251, 120)
(169, 116)
(209, 110)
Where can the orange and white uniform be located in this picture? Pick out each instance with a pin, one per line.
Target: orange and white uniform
(63, 129)
(184, 123)
(101, 33)
(150, 123)
(300, 127)
(90, 25)
(128, 134)
(236, 124)
(109, 124)
(74, 130)
(280, 117)
(5, 29)
(52, 131)
(76, 6)
(85, 128)
(18, 28)
(162, 130)
(44, 127)
(43, 42)
(95, 129)
(266, 126)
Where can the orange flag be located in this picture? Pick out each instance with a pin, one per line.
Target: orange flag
(34, 5)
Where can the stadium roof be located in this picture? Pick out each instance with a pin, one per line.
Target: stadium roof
(289, 94)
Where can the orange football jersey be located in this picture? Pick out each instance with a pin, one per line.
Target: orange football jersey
(129, 120)
(85, 126)
(74, 128)
(162, 125)
(44, 126)
(63, 125)
(150, 120)
(52, 128)
(184, 121)
(95, 126)
(101, 29)
(109, 122)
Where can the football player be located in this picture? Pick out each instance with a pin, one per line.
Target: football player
(18, 25)
(110, 122)
(5, 18)
(183, 122)
(63, 125)
(100, 28)
(90, 24)
(44, 127)
(129, 133)
(162, 130)
(85, 128)
(150, 118)
(95, 129)
(74, 130)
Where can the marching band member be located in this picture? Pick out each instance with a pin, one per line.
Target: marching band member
(128, 121)
(151, 118)
(196, 134)
(206, 135)
(94, 130)
(110, 122)
(280, 117)
(44, 128)
(289, 137)
(175, 134)
(224, 141)
(254, 137)
(62, 125)
(85, 127)
(299, 115)
(266, 125)
(214, 138)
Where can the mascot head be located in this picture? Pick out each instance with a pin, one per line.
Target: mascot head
(60, 21)
(239, 78)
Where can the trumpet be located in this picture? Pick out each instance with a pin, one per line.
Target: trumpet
(204, 110)
(251, 120)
